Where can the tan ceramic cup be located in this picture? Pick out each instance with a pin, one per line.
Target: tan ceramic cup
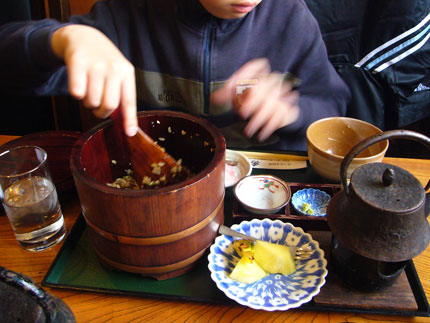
(330, 139)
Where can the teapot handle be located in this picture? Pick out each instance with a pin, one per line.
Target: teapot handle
(407, 134)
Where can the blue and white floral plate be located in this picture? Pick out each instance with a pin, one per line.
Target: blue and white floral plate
(275, 291)
(316, 200)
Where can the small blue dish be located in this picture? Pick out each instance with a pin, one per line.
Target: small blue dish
(311, 202)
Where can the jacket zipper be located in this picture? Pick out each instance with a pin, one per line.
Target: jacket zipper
(210, 29)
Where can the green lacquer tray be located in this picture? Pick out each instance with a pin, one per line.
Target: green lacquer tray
(77, 267)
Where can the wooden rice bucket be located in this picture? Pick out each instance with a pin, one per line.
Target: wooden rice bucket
(159, 232)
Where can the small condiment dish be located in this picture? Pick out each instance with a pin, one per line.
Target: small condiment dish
(237, 166)
(311, 202)
(262, 194)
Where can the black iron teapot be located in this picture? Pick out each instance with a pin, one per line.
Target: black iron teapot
(379, 220)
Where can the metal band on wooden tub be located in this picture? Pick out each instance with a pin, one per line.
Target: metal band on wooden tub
(155, 269)
(155, 240)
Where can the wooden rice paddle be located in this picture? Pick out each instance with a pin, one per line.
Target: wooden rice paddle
(147, 158)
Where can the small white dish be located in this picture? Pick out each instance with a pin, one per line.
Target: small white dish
(274, 292)
(237, 166)
(262, 194)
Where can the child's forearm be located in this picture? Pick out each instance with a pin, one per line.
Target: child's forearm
(27, 62)
(98, 72)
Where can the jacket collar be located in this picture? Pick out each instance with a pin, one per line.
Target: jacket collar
(192, 13)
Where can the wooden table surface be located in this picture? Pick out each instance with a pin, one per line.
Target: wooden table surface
(99, 307)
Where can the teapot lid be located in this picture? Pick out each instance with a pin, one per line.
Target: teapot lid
(387, 187)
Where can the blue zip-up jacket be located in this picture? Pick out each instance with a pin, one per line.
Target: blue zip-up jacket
(182, 53)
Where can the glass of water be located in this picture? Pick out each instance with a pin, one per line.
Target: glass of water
(30, 199)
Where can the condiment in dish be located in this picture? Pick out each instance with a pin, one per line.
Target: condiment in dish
(311, 201)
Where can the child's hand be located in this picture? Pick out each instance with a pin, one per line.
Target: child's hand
(99, 74)
(269, 105)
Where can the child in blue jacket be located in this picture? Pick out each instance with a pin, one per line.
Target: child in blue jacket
(224, 60)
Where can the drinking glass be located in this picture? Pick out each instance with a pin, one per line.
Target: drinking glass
(30, 199)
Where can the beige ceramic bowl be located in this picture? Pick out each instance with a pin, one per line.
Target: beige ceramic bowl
(330, 139)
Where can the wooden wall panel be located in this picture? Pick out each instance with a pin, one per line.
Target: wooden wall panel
(63, 9)
(78, 7)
